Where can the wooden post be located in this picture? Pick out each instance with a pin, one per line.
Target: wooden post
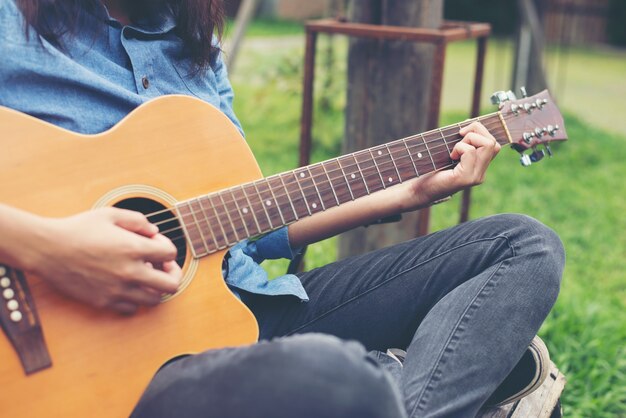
(389, 89)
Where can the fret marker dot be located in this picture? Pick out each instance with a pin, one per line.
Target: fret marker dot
(268, 202)
(419, 155)
(380, 153)
(244, 210)
(353, 176)
(314, 205)
(390, 180)
(301, 174)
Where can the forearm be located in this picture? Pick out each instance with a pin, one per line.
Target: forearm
(20, 233)
(350, 215)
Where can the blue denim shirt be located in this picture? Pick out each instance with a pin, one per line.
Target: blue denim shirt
(97, 78)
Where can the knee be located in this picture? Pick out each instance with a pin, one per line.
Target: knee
(543, 248)
(339, 372)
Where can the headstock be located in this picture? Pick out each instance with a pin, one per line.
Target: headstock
(531, 121)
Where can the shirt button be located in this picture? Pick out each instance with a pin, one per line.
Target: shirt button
(145, 82)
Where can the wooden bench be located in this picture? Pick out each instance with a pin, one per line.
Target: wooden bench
(542, 403)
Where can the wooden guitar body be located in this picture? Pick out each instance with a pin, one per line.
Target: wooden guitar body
(171, 149)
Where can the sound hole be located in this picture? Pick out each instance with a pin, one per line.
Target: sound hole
(163, 218)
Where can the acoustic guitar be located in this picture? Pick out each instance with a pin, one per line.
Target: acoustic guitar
(185, 165)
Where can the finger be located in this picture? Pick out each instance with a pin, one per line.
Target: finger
(478, 140)
(173, 269)
(157, 280)
(123, 307)
(137, 295)
(459, 149)
(475, 127)
(133, 222)
(158, 249)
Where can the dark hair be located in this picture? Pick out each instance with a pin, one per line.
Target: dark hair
(197, 21)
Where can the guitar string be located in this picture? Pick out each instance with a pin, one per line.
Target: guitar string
(393, 161)
(403, 165)
(183, 237)
(227, 211)
(490, 124)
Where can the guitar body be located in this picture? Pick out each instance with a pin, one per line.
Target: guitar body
(170, 149)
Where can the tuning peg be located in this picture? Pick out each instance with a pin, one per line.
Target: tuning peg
(525, 160)
(547, 147)
(500, 97)
(552, 129)
(536, 155)
(523, 91)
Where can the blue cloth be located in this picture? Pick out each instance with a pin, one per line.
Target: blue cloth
(98, 76)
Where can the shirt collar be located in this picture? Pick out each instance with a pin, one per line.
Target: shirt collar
(157, 22)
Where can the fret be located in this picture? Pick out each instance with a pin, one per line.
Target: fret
(444, 140)
(355, 179)
(431, 156)
(339, 189)
(330, 183)
(222, 213)
(270, 203)
(248, 210)
(208, 223)
(293, 208)
(401, 161)
(234, 215)
(230, 219)
(393, 162)
(310, 192)
(195, 218)
(316, 189)
(264, 205)
(257, 207)
(308, 209)
(367, 166)
(361, 172)
(380, 175)
(280, 194)
(324, 186)
(411, 157)
(296, 197)
(192, 234)
(216, 237)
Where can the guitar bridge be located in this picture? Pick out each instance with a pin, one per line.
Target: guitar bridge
(20, 322)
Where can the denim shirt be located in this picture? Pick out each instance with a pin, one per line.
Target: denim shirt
(103, 73)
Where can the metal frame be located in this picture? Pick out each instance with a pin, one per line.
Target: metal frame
(450, 31)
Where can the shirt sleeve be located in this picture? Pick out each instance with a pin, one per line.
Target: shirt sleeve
(271, 246)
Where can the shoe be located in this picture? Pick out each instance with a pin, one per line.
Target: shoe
(397, 354)
(526, 377)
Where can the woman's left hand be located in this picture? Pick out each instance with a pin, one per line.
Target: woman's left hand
(474, 153)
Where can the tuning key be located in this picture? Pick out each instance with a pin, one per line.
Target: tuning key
(537, 155)
(552, 129)
(523, 91)
(547, 147)
(525, 160)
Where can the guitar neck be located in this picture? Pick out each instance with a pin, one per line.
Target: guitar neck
(221, 219)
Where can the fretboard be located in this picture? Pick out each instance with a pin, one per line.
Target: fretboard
(221, 219)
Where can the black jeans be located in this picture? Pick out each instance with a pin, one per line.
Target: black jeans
(464, 302)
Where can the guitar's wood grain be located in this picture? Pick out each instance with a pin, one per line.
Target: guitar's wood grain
(103, 361)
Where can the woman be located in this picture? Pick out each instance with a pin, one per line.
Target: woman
(464, 302)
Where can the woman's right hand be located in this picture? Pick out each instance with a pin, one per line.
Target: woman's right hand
(105, 258)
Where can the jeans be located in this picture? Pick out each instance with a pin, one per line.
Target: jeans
(464, 302)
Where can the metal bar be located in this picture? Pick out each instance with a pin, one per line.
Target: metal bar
(382, 32)
(307, 98)
(434, 107)
(481, 52)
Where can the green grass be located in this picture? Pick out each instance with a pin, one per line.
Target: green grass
(269, 27)
(579, 193)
